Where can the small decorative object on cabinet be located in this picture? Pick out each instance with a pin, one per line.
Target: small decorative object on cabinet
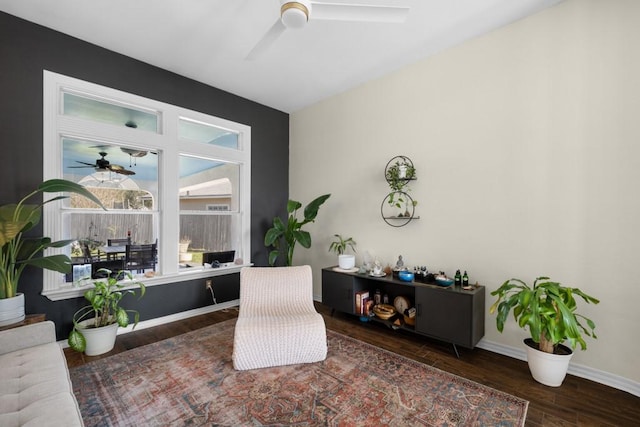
(405, 275)
(398, 207)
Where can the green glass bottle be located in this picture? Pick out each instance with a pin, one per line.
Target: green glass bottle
(465, 279)
(457, 278)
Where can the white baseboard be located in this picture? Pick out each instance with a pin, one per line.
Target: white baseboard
(576, 369)
(145, 324)
(180, 316)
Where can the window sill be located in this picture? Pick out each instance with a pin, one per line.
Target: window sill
(192, 273)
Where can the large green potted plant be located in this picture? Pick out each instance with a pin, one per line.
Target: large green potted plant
(283, 237)
(18, 250)
(339, 246)
(95, 325)
(548, 310)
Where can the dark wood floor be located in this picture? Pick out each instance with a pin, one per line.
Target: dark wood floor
(578, 402)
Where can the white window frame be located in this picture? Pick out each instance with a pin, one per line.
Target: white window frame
(168, 145)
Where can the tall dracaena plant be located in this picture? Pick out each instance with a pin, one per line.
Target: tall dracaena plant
(16, 250)
(547, 308)
(292, 232)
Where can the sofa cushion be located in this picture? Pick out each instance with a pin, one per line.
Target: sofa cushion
(36, 389)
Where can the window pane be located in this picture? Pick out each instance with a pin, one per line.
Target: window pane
(207, 134)
(208, 185)
(121, 177)
(209, 206)
(126, 182)
(208, 233)
(110, 112)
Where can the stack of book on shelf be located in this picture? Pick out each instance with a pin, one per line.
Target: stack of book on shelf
(363, 302)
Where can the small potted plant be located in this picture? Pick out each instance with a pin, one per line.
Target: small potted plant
(95, 326)
(183, 250)
(399, 174)
(548, 309)
(17, 250)
(339, 246)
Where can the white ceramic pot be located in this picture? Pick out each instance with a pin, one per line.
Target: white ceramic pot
(99, 340)
(402, 171)
(546, 368)
(12, 310)
(346, 262)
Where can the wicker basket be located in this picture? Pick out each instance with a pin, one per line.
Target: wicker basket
(384, 311)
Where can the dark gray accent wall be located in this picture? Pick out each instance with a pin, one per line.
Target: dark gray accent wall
(27, 49)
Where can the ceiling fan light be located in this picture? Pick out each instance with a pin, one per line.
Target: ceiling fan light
(294, 15)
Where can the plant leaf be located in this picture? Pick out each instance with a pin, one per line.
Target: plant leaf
(77, 341)
(122, 317)
(311, 210)
(273, 255)
(293, 205)
(303, 237)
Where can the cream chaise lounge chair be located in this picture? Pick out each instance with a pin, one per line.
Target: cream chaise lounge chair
(277, 324)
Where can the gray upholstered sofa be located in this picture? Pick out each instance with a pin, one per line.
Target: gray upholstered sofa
(35, 389)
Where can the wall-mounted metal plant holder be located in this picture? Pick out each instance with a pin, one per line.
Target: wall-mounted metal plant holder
(398, 207)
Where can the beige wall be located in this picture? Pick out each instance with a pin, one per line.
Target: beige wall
(527, 147)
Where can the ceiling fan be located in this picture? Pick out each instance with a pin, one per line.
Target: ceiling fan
(133, 154)
(296, 14)
(104, 164)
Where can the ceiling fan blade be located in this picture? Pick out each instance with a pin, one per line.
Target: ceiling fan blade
(359, 12)
(120, 169)
(267, 40)
(84, 163)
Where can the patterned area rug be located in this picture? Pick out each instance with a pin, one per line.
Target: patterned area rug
(190, 380)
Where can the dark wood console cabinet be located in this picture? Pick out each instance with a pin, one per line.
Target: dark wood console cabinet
(449, 314)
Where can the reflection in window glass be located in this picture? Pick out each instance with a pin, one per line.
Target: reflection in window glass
(110, 112)
(209, 233)
(208, 184)
(207, 134)
(208, 207)
(126, 182)
(99, 227)
(123, 178)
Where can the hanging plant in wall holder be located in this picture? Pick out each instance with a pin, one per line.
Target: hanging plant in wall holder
(399, 172)
(398, 207)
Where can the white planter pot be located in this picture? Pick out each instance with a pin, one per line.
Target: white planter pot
(99, 340)
(402, 171)
(546, 368)
(12, 310)
(346, 262)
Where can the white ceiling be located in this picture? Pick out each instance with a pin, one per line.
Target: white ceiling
(208, 40)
